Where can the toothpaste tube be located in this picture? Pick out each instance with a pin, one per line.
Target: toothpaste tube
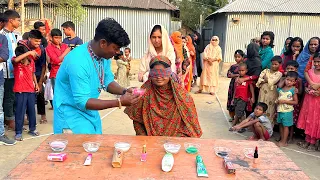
(201, 168)
(87, 162)
(58, 157)
(229, 166)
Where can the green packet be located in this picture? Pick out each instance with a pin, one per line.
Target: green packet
(201, 168)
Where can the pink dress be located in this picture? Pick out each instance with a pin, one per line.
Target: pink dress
(309, 115)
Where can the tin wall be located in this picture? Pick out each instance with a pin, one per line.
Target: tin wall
(137, 23)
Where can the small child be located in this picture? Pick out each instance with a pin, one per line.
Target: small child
(122, 76)
(72, 40)
(233, 74)
(25, 84)
(293, 66)
(127, 58)
(259, 123)
(287, 98)
(241, 95)
(48, 92)
(267, 83)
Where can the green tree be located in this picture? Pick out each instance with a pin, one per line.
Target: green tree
(72, 9)
(190, 10)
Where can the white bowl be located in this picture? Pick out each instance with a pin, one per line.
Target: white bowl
(124, 146)
(91, 147)
(172, 148)
(248, 152)
(58, 145)
(222, 151)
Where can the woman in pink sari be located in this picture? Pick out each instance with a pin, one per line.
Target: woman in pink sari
(212, 56)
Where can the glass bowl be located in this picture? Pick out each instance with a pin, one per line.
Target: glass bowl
(91, 147)
(191, 148)
(222, 151)
(58, 145)
(172, 148)
(248, 152)
(124, 146)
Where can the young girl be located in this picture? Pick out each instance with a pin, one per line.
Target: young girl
(265, 51)
(233, 74)
(295, 48)
(268, 88)
(309, 114)
(127, 58)
(48, 92)
(286, 46)
(287, 98)
(122, 76)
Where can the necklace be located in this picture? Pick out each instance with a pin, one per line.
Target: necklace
(99, 69)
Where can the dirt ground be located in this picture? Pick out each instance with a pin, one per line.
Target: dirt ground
(212, 116)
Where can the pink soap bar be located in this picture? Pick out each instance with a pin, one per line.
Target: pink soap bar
(59, 157)
(138, 91)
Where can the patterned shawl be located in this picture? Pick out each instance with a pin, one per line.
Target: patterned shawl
(165, 111)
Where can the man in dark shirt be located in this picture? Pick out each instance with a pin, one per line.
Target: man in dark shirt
(72, 40)
(40, 26)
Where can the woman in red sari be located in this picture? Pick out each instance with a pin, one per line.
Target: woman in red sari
(166, 108)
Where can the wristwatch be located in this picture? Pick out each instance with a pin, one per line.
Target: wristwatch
(124, 91)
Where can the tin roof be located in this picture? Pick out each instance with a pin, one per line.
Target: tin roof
(272, 6)
(139, 4)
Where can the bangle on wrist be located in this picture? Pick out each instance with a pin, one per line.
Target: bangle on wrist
(119, 101)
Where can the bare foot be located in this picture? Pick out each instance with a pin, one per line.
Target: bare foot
(252, 138)
(281, 144)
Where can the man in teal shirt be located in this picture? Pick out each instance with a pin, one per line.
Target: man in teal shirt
(84, 73)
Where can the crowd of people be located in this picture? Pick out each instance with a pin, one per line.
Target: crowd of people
(264, 90)
(27, 64)
(267, 90)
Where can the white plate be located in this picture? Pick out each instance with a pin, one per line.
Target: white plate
(122, 146)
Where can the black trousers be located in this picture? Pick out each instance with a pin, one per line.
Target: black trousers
(41, 106)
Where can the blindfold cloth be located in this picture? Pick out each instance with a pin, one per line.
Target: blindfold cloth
(163, 73)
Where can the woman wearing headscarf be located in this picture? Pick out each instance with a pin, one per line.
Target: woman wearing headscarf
(192, 60)
(166, 108)
(178, 48)
(159, 44)
(286, 46)
(212, 56)
(306, 55)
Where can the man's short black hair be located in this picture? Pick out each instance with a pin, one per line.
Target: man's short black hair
(292, 74)
(55, 32)
(35, 34)
(277, 58)
(3, 18)
(263, 105)
(38, 24)
(112, 32)
(127, 48)
(292, 63)
(11, 14)
(69, 24)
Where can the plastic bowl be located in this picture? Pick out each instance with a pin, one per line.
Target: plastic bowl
(91, 147)
(124, 146)
(222, 151)
(172, 148)
(58, 145)
(248, 152)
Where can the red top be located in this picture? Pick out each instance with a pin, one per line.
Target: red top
(23, 77)
(242, 91)
(54, 52)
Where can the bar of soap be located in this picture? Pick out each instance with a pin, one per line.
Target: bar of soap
(167, 162)
(192, 150)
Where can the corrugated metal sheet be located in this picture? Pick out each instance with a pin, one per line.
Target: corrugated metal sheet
(137, 23)
(252, 25)
(285, 6)
(220, 30)
(175, 26)
(141, 4)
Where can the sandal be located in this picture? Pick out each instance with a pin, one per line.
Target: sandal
(231, 129)
(242, 130)
(230, 120)
(213, 94)
(34, 133)
(311, 148)
(18, 137)
(43, 121)
(198, 92)
(303, 145)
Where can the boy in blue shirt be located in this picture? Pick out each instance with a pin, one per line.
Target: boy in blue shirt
(72, 40)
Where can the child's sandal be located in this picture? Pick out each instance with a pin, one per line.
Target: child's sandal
(18, 137)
